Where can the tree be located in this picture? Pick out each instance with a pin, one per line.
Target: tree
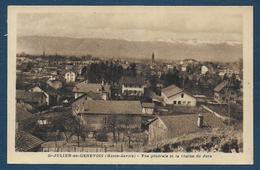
(83, 70)
(225, 77)
(172, 78)
(153, 82)
(70, 125)
(133, 69)
(235, 82)
(112, 126)
(127, 131)
(106, 71)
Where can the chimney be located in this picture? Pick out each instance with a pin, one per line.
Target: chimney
(200, 121)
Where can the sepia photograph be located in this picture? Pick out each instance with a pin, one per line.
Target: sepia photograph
(130, 80)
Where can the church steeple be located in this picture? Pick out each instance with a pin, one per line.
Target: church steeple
(153, 57)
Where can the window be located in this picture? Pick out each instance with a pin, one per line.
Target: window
(174, 102)
(182, 95)
(184, 102)
(42, 122)
(179, 102)
(188, 103)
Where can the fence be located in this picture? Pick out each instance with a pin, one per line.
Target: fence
(104, 147)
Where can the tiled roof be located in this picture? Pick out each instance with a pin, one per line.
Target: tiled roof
(47, 89)
(54, 85)
(94, 96)
(87, 87)
(80, 98)
(26, 141)
(87, 96)
(185, 124)
(171, 90)
(148, 121)
(51, 114)
(220, 86)
(150, 105)
(112, 107)
(132, 80)
(32, 97)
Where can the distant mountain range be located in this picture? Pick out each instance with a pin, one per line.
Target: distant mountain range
(115, 48)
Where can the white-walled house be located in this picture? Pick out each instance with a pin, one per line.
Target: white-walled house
(173, 95)
(132, 86)
(183, 67)
(204, 70)
(38, 89)
(70, 76)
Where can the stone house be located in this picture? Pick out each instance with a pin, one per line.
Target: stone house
(98, 115)
(225, 92)
(103, 90)
(38, 99)
(167, 127)
(50, 93)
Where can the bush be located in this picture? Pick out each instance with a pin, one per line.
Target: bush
(101, 137)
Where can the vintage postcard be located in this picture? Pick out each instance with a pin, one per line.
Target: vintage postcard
(130, 85)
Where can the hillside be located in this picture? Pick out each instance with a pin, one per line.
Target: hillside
(128, 49)
(221, 140)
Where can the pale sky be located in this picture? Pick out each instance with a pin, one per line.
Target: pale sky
(135, 24)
